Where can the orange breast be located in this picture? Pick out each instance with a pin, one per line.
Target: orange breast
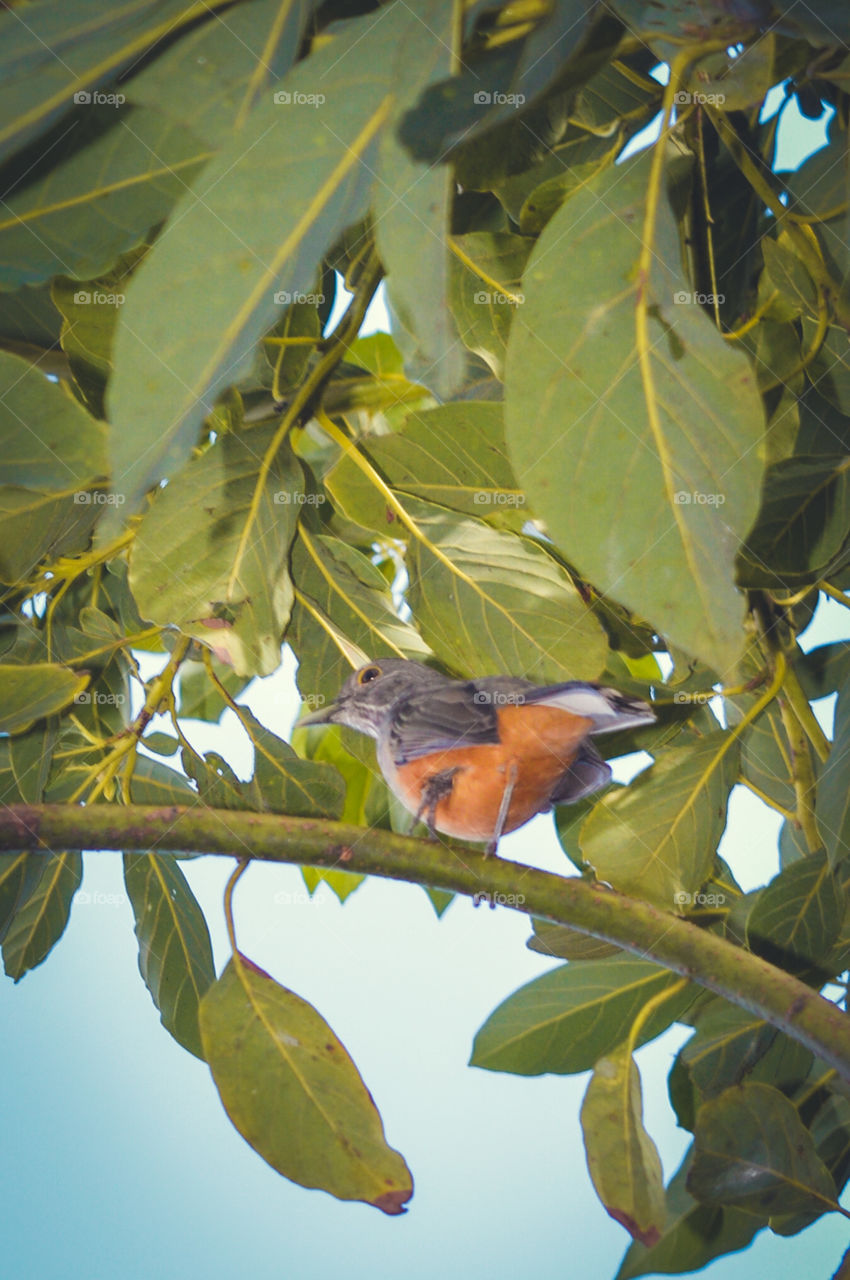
(540, 742)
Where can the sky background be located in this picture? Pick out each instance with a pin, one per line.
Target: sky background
(119, 1161)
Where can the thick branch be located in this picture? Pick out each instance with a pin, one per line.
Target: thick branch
(637, 926)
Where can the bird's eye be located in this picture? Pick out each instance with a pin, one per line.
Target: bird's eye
(368, 674)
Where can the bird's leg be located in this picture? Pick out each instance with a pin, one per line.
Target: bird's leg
(434, 789)
(503, 809)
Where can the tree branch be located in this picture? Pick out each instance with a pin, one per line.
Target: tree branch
(637, 926)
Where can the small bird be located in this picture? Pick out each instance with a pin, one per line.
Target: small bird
(479, 758)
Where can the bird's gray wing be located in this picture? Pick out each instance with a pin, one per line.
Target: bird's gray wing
(453, 715)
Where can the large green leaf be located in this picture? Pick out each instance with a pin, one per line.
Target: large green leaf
(48, 443)
(411, 206)
(211, 78)
(40, 922)
(175, 953)
(342, 597)
(731, 1044)
(803, 526)
(622, 1158)
(486, 289)
(488, 602)
(636, 448)
(284, 783)
(206, 560)
(293, 1092)
(568, 1019)
(119, 174)
(29, 693)
(257, 222)
(753, 1152)
(454, 455)
(57, 55)
(657, 837)
(798, 915)
(19, 874)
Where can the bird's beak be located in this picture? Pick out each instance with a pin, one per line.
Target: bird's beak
(322, 715)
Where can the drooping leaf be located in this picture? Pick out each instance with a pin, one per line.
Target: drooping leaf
(175, 953)
(798, 915)
(29, 693)
(293, 1092)
(567, 1019)
(622, 1158)
(284, 783)
(625, 387)
(40, 922)
(486, 272)
(19, 874)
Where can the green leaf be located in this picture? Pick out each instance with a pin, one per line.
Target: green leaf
(40, 922)
(801, 531)
(833, 795)
(180, 343)
(454, 455)
(29, 693)
(293, 1092)
(154, 783)
(49, 444)
(657, 837)
(284, 783)
(19, 875)
(764, 758)
(412, 209)
(486, 274)
(622, 1158)
(119, 174)
(66, 54)
(560, 942)
(31, 757)
(488, 602)
(798, 915)
(199, 698)
(695, 1234)
(202, 558)
(731, 1044)
(175, 952)
(210, 78)
(661, 462)
(567, 1019)
(752, 1152)
(341, 593)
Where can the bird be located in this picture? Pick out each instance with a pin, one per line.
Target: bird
(476, 759)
